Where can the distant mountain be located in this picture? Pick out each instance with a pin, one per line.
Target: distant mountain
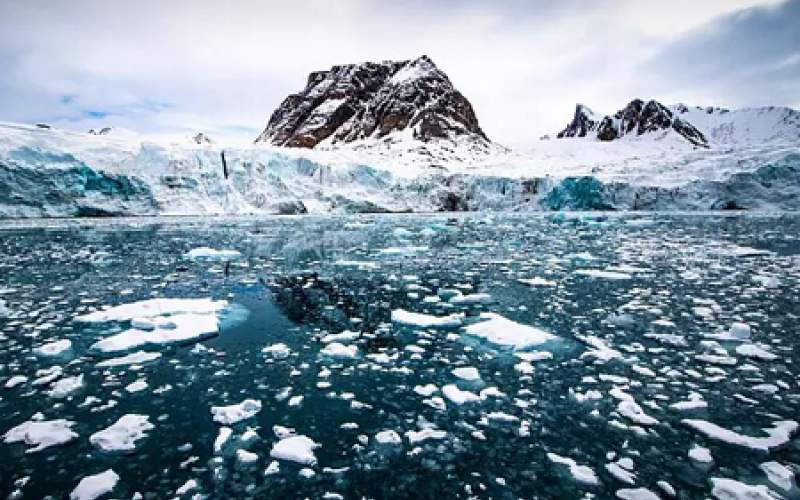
(698, 126)
(636, 119)
(406, 99)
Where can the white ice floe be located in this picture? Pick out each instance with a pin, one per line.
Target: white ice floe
(781, 476)
(730, 489)
(499, 330)
(404, 317)
(701, 455)
(458, 396)
(122, 434)
(211, 254)
(337, 350)
(299, 449)
(246, 457)
(345, 336)
(388, 437)
(134, 358)
(66, 386)
(581, 473)
(426, 390)
(277, 351)
(695, 401)
(15, 381)
(136, 386)
(631, 409)
(53, 348)
(601, 352)
(600, 274)
(415, 437)
(472, 298)
(189, 485)
(777, 436)
(228, 415)
(222, 438)
(41, 434)
(536, 281)
(184, 328)
(153, 308)
(468, 373)
(95, 486)
(636, 494)
(755, 352)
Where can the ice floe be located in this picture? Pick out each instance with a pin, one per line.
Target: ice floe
(228, 415)
(123, 434)
(134, 358)
(499, 330)
(777, 436)
(211, 254)
(95, 486)
(54, 348)
(420, 320)
(581, 473)
(299, 449)
(41, 434)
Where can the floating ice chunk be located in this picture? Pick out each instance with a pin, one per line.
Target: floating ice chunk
(15, 381)
(53, 348)
(694, 402)
(581, 473)
(600, 274)
(426, 320)
(136, 386)
(426, 390)
(222, 438)
(630, 409)
(122, 434)
(153, 308)
(298, 449)
(458, 396)
(41, 434)
(780, 475)
(740, 330)
(473, 298)
(716, 359)
(468, 373)
(536, 281)
(388, 437)
(701, 455)
(754, 351)
(337, 350)
(767, 281)
(135, 358)
(228, 415)
(211, 254)
(730, 489)
(499, 330)
(415, 437)
(601, 352)
(187, 328)
(622, 473)
(407, 250)
(344, 336)
(277, 351)
(66, 386)
(636, 494)
(246, 457)
(739, 251)
(188, 486)
(777, 436)
(95, 486)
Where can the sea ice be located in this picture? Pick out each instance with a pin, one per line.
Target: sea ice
(426, 320)
(228, 415)
(135, 358)
(298, 449)
(41, 434)
(95, 486)
(581, 473)
(499, 330)
(211, 254)
(53, 348)
(122, 434)
(777, 436)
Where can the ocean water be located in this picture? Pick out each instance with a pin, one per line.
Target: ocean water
(647, 313)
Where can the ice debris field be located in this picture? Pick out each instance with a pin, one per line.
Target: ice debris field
(476, 356)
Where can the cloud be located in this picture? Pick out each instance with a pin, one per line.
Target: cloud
(222, 67)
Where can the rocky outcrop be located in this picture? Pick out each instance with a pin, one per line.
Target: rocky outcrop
(373, 100)
(637, 118)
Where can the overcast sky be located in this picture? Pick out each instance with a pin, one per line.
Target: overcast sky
(166, 66)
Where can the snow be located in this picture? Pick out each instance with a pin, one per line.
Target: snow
(777, 436)
(499, 330)
(95, 486)
(122, 434)
(54, 348)
(228, 415)
(420, 320)
(41, 434)
(134, 358)
(299, 449)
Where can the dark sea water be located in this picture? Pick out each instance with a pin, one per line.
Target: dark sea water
(633, 332)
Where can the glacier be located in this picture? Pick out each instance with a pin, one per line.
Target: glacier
(58, 173)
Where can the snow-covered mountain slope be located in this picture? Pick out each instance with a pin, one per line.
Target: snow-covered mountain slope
(355, 102)
(725, 127)
(58, 173)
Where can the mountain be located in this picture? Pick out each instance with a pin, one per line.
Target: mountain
(726, 127)
(387, 100)
(636, 119)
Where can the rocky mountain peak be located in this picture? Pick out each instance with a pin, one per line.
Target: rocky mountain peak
(373, 100)
(637, 117)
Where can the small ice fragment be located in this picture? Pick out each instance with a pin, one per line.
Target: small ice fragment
(228, 415)
(53, 348)
(298, 449)
(95, 486)
(122, 434)
(388, 437)
(41, 434)
(468, 373)
(337, 350)
(404, 317)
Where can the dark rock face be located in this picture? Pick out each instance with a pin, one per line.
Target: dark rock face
(637, 118)
(357, 101)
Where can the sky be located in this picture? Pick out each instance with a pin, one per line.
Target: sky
(222, 67)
